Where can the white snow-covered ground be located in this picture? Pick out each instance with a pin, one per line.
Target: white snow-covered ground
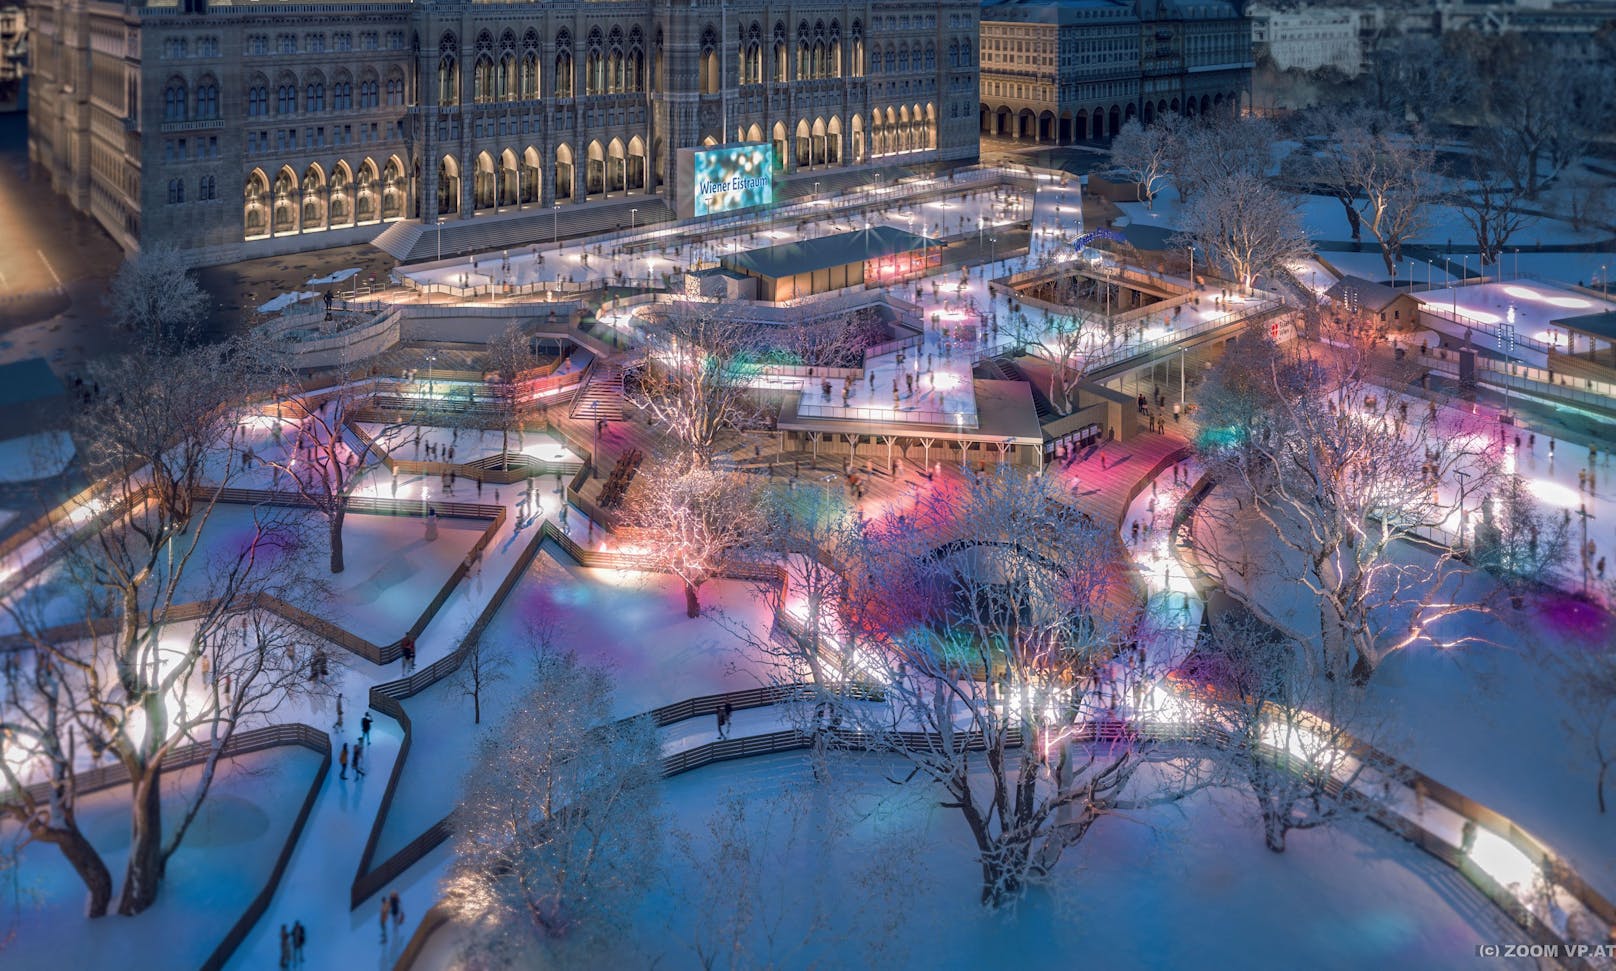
(222, 864)
(336, 277)
(285, 300)
(1530, 305)
(37, 456)
(630, 624)
(391, 570)
(876, 876)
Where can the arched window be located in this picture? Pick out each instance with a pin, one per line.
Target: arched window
(530, 65)
(207, 99)
(448, 70)
(286, 99)
(395, 89)
(931, 58)
(314, 94)
(255, 205)
(174, 101)
(258, 100)
(563, 64)
(342, 93)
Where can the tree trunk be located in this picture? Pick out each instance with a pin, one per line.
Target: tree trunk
(336, 539)
(145, 870)
(692, 605)
(85, 861)
(1362, 669)
(1273, 831)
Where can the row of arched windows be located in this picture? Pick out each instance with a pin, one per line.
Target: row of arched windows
(318, 200)
(313, 94)
(178, 104)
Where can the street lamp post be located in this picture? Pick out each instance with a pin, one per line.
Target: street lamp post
(1585, 515)
(431, 388)
(555, 224)
(631, 214)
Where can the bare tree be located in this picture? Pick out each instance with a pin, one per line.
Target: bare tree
(178, 652)
(167, 415)
(994, 628)
(324, 460)
(1545, 108)
(815, 538)
(1218, 149)
(1517, 541)
(1294, 733)
(1145, 154)
(696, 380)
(559, 831)
(1326, 498)
(512, 358)
(1246, 226)
(1588, 674)
(1395, 172)
(154, 295)
(693, 517)
(1063, 340)
(1492, 208)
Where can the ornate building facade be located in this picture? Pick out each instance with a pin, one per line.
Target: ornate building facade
(248, 129)
(1075, 70)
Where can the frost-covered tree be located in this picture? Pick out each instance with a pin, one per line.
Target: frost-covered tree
(168, 415)
(993, 624)
(1292, 730)
(815, 537)
(1217, 149)
(1145, 154)
(324, 461)
(182, 649)
(1327, 496)
(154, 295)
(693, 517)
(559, 830)
(696, 381)
(1247, 226)
(1394, 172)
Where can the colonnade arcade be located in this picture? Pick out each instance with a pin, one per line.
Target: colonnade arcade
(289, 202)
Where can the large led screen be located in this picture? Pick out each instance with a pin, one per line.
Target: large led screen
(731, 178)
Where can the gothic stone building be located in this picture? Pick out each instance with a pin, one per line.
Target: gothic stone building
(1074, 70)
(236, 130)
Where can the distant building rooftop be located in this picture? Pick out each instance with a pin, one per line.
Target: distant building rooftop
(828, 251)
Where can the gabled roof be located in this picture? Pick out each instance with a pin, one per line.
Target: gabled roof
(1365, 293)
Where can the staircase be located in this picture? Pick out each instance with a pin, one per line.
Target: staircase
(411, 241)
(602, 393)
(1003, 369)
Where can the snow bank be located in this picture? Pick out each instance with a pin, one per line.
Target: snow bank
(285, 300)
(336, 277)
(35, 456)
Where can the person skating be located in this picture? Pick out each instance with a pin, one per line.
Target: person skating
(299, 935)
(386, 911)
(286, 947)
(397, 908)
(359, 746)
(342, 760)
(364, 727)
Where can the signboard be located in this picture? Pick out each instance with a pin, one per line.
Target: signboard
(725, 178)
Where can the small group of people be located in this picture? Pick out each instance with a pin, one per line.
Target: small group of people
(352, 758)
(392, 912)
(292, 940)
